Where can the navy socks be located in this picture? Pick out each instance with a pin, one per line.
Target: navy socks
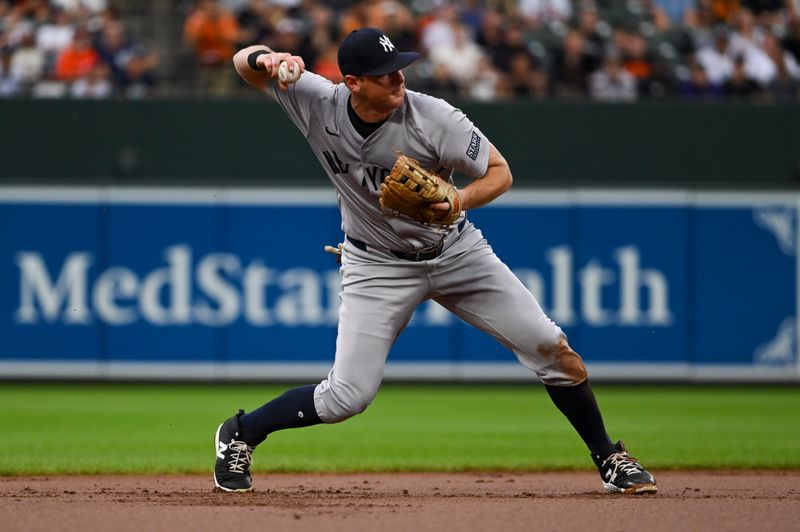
(579, 406)
(294, 409)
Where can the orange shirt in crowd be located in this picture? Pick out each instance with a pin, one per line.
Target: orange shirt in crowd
(75, 61)
(724, 9)
(212, 35)
(327, 65)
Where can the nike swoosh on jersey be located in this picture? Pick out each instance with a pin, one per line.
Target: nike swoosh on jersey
(329, 132)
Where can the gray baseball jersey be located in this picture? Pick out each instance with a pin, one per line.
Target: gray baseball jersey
(356, 166)
(381, 291)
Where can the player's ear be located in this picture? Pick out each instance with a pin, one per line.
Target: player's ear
(352, 82)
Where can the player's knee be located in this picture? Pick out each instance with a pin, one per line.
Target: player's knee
(562, 366)
(353, 406)
(343, 401)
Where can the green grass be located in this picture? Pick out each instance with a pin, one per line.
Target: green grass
(126, 428)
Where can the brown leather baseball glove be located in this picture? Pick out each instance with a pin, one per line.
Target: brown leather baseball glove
(410, 189)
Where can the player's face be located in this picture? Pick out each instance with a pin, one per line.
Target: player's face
(385, 92)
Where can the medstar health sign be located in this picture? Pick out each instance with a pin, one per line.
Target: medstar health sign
(209, 283)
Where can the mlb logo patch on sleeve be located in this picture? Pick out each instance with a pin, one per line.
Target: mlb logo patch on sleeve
(474, 146)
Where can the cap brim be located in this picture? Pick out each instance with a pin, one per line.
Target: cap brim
(398, 62)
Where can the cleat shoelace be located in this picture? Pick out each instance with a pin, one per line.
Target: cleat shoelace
(241, 456)
(624, 463)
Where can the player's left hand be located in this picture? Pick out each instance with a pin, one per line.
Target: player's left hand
(418, 193)
(441, 209)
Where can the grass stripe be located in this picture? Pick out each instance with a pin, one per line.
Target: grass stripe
(160, 428)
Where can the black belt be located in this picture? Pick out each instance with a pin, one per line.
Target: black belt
(422, 254)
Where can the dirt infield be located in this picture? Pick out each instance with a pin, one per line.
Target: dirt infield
(439, 502)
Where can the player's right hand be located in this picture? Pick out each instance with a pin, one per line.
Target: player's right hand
(337, 251)
(272, 61)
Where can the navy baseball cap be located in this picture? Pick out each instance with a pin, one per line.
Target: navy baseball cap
(369, 52)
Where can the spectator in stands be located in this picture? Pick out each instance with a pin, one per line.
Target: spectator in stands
(321, 30)
(512, 43)
(791, 41)
(235, 6)
(786, 84)
(212, 32)
(768, 12)
(441, 83)
(536, 13)
(699, 86)
(486, 86)
(55, 33)
(9, 86)
(491, 36)
(661, 83)
(678, 12)
(77, 59)
(745, 31)
(673, 42)
(15, 26)
(250, 19)
(525, 79)
(716, 60)
(438, 29)
(327, 64)
(701, 34)
(320, 35)
(351, 17)
(130, 65)
(93, 6)
(288, 36)
(740, 86)
(747, 41)
(636, 57)
(596, 32)
(564, 41)
(100, 20)
(462, 58)
(50, 88)
(718, 11)
(572, 67)
(612, 82)
(285, 5)
(95, 84)
(27, 62)
(472, 14)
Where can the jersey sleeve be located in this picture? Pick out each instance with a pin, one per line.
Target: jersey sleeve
(303, 98)
(453, 136)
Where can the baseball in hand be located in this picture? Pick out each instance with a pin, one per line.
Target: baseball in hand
(286, 74)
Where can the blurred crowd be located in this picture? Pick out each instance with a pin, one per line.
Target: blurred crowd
(70, 48)
(610, 50)
(485, 50)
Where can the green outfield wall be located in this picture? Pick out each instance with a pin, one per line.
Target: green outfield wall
(251, 142)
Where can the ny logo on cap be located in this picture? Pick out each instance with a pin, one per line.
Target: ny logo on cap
(386, 43)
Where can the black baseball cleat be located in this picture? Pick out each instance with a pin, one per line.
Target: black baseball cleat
(622, 473)
(232, 468)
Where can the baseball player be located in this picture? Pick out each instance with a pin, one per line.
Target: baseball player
(391, 262)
